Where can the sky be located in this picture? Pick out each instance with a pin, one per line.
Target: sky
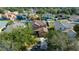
(39, 3)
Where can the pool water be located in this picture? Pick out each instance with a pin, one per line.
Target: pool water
(3, 23)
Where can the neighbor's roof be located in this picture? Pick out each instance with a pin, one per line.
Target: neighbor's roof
(13, 26)
(74, 17)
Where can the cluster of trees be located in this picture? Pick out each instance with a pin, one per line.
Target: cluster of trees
(12, 9)
(42, 10)
(59, 41)
(76, 28)
(59, 10)
(56, 41)
(18, 39)
(23, 38)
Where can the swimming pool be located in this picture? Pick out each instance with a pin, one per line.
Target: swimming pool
(3, 23)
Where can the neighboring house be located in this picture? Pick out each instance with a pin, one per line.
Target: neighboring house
(74, 18)
(57, 25)
(13, 26)
(65, 27)
(10, 15)
(67, 24)
(16, 12)
(71, 33)
(39, 27)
